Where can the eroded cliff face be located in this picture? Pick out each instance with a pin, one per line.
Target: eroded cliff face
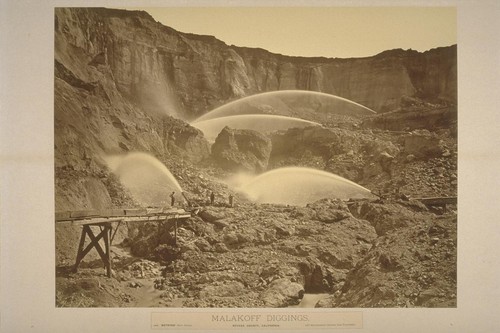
(378, 82)
(186, 75)
(103, 109)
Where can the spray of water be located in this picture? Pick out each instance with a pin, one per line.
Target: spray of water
(300, 186)
(149, 180)
(294, 103)
(258, 122)
(238, 179)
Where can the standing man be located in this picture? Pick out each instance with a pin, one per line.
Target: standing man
(172, 199)
(231, 200)
(212, 198)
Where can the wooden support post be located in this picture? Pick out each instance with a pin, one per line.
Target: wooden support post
(105, 233)
(160, 227)
(107, 244)
(114, 234)
(79, 256)
(175, 231)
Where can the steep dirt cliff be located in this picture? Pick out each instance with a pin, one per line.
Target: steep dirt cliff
(163, 70)
(101, 109)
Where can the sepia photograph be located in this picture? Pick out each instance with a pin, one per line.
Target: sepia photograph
(240, 165)
(193, 173)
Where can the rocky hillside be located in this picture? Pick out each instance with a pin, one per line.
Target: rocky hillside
(362, 254)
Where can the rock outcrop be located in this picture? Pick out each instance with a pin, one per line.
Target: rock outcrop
(411, 118)
(423, 144)
(282, 293)
(423, 255)
(241, 150)
(355, 155)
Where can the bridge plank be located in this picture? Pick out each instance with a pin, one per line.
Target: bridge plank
(95, 220)
(112, 212)
(171, 210)
(154, 210)
(84, 213)
(62, 215)
(84, 217)
(155, 218)
(136, 211)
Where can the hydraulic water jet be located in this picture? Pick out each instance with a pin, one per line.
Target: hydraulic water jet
(258, 122)
(149, 180)
(300, 186)
(292, 103)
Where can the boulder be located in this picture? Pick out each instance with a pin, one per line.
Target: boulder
(423, 144)
(241, 150)
(221, 248)
(231, 238)
(379, 147)
(143, 246)
(327, 302)
(282, 293)
(203, 245)
(211, 215)
(181, 139)
(283, 230)
(330, 210)
(371, 170)
(383, 218)
(385, 160)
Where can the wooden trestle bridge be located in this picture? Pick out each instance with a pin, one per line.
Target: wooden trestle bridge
(104, 219)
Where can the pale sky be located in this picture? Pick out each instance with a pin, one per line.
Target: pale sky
(318, 31)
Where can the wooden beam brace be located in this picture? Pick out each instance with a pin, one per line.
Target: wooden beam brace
(79, 255)
(105, 233)
(93, 241)
(116, 229)
(107, 245)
